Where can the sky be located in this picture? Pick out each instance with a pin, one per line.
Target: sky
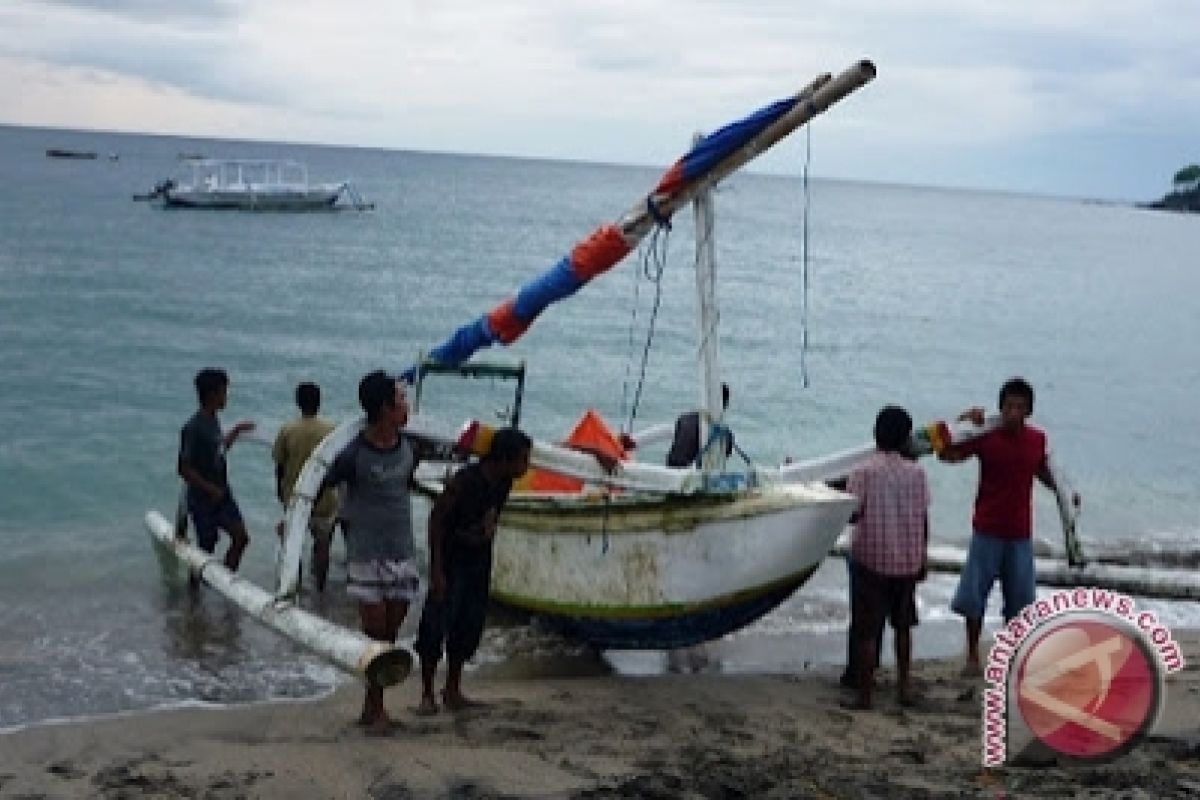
(1079, 98)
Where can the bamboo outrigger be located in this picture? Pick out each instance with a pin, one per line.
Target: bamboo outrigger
(379, 662)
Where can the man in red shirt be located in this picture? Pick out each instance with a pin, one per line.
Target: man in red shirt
(888, 550)
(1010, 457)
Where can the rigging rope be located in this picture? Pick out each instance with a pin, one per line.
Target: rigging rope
(804, 314)
(630, 345)
(653, 265)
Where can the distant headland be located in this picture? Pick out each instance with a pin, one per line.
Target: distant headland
(1186, 193)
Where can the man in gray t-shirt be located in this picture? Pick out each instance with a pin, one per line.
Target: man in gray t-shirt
(376, 469)
(377, 512)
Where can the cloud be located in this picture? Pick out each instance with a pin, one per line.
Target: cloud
(960, 81)
(206, 11)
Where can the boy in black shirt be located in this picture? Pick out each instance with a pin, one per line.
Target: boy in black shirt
(462, 527)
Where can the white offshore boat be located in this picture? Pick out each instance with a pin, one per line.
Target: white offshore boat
(251, 185)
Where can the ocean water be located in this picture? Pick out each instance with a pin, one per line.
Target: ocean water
(923, 297)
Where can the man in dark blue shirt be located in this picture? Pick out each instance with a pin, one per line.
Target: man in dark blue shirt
(201, 465)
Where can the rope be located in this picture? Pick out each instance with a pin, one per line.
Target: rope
(653, 265)
(722, 433)
(630, 344)
(804, 271)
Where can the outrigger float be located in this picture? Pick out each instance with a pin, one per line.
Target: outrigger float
(644, 556)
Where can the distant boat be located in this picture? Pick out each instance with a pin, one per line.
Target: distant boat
(55, 152)
(251, 185)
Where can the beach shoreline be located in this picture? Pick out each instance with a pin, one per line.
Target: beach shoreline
(696, 735)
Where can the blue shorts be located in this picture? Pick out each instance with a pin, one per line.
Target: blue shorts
(989, 558)
(208, 516)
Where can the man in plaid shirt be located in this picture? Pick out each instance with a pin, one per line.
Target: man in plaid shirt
(890, 536)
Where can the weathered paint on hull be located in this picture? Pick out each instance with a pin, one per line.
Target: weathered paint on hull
(664, 572)
(682, 627)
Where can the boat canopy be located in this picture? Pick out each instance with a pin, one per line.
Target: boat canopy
(221, 173)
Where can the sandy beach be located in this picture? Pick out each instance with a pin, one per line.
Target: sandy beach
(699, 735)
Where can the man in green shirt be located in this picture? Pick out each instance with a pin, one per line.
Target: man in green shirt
(295, 442)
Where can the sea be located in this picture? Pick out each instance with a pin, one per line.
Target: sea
(925, 297)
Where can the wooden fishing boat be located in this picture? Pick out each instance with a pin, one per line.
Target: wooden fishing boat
(650, 556)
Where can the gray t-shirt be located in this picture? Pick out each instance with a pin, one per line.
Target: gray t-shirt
(377, 510)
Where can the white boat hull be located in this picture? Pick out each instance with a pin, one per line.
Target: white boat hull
(299, 199)
(658, 573)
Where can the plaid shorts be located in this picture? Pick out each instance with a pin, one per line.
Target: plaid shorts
(378, 580)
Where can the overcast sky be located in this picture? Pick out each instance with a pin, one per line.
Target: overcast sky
(1089, 98)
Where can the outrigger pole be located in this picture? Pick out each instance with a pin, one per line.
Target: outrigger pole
(381, 663)
(706, 164)
(1142, 581)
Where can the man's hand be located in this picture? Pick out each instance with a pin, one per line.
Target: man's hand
(627, 441)
(975, 414)
(607, 462)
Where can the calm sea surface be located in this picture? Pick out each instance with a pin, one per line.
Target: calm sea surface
(922, 297)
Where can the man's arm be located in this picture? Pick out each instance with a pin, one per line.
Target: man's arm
(1046, 476)
(438, 517)
(245, 426)
(661, 432)
(279, 455)
(340, 471)
(924, 572)
(957, 453)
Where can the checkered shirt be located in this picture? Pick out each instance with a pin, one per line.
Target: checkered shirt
(889, 537)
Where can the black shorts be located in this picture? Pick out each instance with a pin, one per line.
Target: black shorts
(456, 622)
(879, 599)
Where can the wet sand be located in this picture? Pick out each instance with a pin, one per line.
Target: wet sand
(701, 735)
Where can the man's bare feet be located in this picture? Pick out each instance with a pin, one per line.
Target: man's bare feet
(379, 725)
(457, 701)
(428, 706)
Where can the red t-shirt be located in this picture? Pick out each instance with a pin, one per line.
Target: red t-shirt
(1008, 463)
